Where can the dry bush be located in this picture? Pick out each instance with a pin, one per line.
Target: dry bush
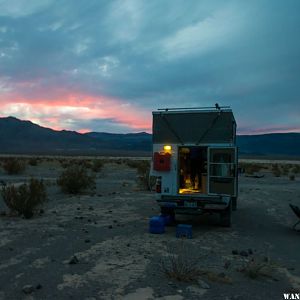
(75, 179)
(285, 169)
(65, 163)
(259, 267)
(97, 165)
(265, 166)
(133, 163)
(242, 166)
(292, 177)
(13, 165)
(295, 169)
(180, 263)
(85, 163)
(143, 170)
(250, 168)
(33, 161)
(276, 173)
(276, 170)
(25, 198)
(119, 161)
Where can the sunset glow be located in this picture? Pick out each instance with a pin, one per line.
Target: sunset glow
(71, 110)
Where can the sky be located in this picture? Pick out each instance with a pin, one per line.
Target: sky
(106, 65)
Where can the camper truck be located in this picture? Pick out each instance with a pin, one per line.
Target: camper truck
(195, 161)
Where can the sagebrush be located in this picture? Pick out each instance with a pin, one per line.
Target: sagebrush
(143, 170)
(97, 165)
(180, 263)
(292, 177)
(26, 198)
(74, 179)
(259, 266)
(13, 165)
(276, 171)
(33, 161)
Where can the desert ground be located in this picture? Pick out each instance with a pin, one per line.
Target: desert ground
(96, 245)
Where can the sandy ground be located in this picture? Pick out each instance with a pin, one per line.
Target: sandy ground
(107, 230)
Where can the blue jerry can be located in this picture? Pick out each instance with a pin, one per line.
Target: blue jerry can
(184, 230)
(157, 225)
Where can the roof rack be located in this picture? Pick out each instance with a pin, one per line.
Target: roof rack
(194, 108)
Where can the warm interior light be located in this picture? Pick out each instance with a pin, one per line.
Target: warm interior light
(167, 148)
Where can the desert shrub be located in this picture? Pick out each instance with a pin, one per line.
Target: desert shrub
(259, 267)
(276, 173)
(133, 163)
(143, 170)
(276, 170)
(25, 198)
(33, 161)
(65, 163)
(13, 165)
(119, 161)
(97, 165)
(285, 169)
(292, 177)
(85, 163)
(180, 264)
(75, 179)
(296, 169)
(250, 168)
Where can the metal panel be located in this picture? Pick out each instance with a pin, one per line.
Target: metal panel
(193, 127)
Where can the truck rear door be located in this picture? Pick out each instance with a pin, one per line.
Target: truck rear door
(222, 171)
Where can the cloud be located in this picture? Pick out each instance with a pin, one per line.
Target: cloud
(78, 111)
(93, 57)
(21, 8)
(216, 30)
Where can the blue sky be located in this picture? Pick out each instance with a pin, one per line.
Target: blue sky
(105, 65)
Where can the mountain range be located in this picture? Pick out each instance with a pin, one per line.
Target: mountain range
(24, 137)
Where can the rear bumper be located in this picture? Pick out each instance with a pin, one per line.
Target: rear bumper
(194, 203)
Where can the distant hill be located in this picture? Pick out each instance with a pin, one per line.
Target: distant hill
(140, 141)
(17, 136)
(25, 137)
(284, 144)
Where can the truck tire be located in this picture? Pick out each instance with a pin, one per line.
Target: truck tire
(225, 216)
(234, 203)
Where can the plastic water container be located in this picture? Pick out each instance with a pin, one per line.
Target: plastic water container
(157, 225)
(184, 230)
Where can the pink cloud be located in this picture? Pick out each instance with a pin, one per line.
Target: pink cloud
(62, 112)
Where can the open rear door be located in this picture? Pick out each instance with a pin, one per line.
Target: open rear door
(222, 171)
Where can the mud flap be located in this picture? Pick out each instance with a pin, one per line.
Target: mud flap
(234, 203)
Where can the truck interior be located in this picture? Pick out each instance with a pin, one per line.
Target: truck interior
(192, 170)
(207, 170)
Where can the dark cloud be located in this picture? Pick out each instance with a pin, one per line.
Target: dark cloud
(157, 54)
